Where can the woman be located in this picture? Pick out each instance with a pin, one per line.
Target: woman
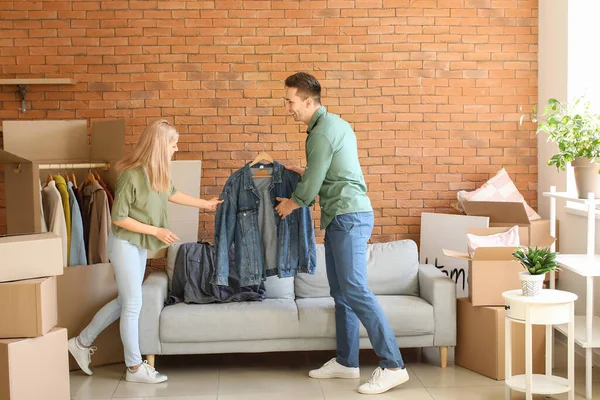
(139, 224)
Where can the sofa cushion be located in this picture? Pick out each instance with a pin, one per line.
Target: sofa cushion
(392, 269)
(309, 286)
(191, 323)
(407, 315)
(280, 288)
(171, 256)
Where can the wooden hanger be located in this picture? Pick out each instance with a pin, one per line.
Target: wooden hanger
(74, 180)
(67, 177)
(90, 178)
(97, 175)
(49, 179)
(262, 157)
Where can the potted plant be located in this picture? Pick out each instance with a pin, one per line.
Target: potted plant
(537, 262)
(576, 131)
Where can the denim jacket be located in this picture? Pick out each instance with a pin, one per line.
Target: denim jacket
(236, 222)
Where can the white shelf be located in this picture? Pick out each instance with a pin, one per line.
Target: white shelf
(580, 335)
(541, 384)
(570, 197)
(581, 264)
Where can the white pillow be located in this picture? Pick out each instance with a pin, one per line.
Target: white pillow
(509, 238)
(280, 288)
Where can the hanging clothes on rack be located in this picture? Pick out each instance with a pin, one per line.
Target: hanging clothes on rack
(61, 185)
(109, 195)
(96, 221)
(55, 215)
(237, 222)
(77, 255)
(43, 226)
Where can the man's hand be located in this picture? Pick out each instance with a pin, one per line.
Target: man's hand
(297, 170)
(285, 207)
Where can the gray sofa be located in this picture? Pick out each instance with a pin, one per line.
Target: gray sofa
(298, 314)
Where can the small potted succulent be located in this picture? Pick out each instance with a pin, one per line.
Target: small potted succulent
(537, 261)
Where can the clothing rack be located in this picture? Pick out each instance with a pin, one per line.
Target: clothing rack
(99, 165)
(102, 165)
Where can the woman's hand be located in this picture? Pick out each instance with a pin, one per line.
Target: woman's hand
(212, 204)
(297, 170)
(165, 236)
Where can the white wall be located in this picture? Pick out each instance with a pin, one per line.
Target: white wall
(568, 67)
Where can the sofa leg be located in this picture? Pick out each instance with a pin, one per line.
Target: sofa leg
(151, 359)
(443, 356)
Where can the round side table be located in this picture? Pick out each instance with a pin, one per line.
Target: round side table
(551, 307)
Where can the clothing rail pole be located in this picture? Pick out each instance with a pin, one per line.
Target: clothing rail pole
(98, 165)
(75, 166)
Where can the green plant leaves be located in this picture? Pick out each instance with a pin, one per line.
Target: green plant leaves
(573, 127)
(537, 261)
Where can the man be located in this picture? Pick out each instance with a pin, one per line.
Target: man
(333, 172)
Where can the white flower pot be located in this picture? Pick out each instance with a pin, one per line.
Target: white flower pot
(531, 285)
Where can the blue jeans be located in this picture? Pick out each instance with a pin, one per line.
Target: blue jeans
(129, 263)
(346, 240)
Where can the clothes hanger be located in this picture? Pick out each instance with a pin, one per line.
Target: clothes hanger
(90, 178)
(67, 176)
(262, 157)
(49, 179)
(73, 179)
(97, 175)
(262, 173)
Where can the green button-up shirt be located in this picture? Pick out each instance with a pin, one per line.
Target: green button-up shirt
(135, 198)
(332, 169)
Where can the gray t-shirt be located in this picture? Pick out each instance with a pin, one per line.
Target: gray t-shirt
(267, 224)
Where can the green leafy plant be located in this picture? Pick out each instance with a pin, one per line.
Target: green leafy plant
(573, 127)
(537, 261)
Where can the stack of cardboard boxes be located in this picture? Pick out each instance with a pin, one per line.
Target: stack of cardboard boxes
(34, 360)
(492, 271)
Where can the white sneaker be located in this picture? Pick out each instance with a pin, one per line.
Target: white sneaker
(83, 355)
(383, 380)
(145, 374)
(332, 369)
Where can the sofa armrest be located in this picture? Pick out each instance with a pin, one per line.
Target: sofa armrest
(439, 291)
(154, 294)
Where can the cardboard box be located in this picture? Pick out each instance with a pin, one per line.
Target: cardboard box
(27, 144)
(509, 214)
(82, 292)
(30, 256)
(28, 308)
(32, 369)
(480, 341)
(492, 270)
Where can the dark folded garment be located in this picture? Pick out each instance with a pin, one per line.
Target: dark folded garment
(194, 268)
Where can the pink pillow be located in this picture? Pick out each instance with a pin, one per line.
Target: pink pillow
(510, 238)
(498, 188)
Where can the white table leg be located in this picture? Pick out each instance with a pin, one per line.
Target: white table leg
(528, 357)
(507, 356)
(549, 359)
(571, 352)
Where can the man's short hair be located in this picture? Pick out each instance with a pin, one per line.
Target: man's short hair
(306, 85)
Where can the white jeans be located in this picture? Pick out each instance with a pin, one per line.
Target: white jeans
(129, 262)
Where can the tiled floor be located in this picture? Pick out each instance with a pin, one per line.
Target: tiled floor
(284, 377)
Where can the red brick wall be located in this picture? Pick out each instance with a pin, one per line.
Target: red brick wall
(432, 88)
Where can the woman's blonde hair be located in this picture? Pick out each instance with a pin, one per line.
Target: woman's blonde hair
(152, 152)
